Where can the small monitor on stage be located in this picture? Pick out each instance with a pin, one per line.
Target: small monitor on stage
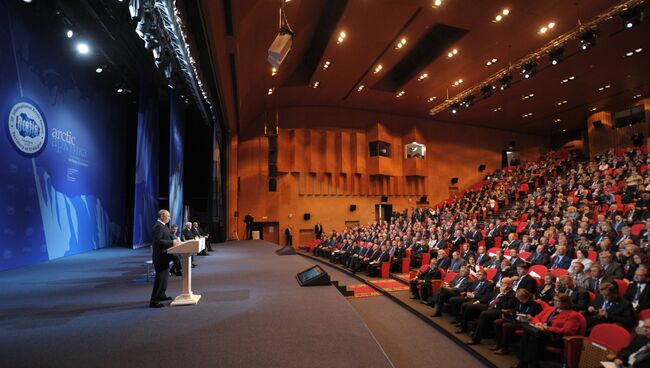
(313, 276)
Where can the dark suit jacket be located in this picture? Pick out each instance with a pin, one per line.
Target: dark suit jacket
(430, 274)
(565, 262)
(532, 307)
(444, 263)
(638, 341)
(615, 270)
(482, 259)
(162, 240)
(466, 254)
(464, 284)
(526, 282)
(580, 298)
(187, 234)
(539, 259)
(620, 311)
(507, 301)
(483, 291)
(644, 298)
(590, 283)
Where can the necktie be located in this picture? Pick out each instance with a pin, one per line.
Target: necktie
(606, 305)
(458, 282)
(478, 286)
(494, 302)
(596, 285)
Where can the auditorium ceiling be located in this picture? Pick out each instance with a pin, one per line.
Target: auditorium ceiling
(602, 77)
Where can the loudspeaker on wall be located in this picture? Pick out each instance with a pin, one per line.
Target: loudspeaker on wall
(306, 216)
(353, 207)
(481, 167)
(384, 199)
(454, 180)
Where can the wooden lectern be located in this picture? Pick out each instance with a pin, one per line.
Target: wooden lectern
(186, 249)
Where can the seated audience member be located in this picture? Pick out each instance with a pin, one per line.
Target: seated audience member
(339, 254)
(597, 278)
(637, 292)
(582, 257)
(514, 258)
(547, 288)
(456, 287)
(612, 268)
(504, 271)
(363, 262)
(560, 260)
(196, 231)
(503, 298)
(375, 264)
(417, 250)
(505, 327)
(356, 258)
(443, 260)
(495, 310)
(637, 353)
(456, 262)
(424, 279)
(187, 234)
(399, 252)
(636, 260)
(609, 307)
(524, 280)
(466, 252)
(576, 271)
(479, 290)
(579, 295)
(547, 329)
(539, 257)
(482, 258)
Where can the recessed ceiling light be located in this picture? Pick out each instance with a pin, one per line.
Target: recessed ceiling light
(431, 99)
(69, 33)
(120, 90)
(378, 68)
(437, 3)
(491, 62)
(342, 36)
(401, 43)
(505, 11)
(360, 88)
(638, 50)
(563, 130)
(593, 109)
(423, 76)
(497, 109)
(326, 64)
(270, 92)
(557, 120)
(83, 48)
(274, 71)
(458, 82)
(99, 70)
(315, 84)
(400, 94)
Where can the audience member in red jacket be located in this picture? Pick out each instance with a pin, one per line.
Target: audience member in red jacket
(549, 328)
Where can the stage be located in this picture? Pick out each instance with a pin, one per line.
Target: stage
(92, 310)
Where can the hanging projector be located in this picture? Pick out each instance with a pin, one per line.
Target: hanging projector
(282, 44)
(280, 47)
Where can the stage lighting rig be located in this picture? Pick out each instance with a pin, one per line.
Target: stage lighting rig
(632, 17)
(588, 39)
(506, 81)
(556, 55)
(529, 69)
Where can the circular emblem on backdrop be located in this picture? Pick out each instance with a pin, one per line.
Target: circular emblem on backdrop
(27, 128)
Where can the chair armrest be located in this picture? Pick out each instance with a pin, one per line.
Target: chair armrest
(573, 338)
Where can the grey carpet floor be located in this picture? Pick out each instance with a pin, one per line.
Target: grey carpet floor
(91, 310)
(407, 340)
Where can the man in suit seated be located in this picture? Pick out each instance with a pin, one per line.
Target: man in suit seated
(612, 268)
(609, 307)
(375, 264)
(524, 281)
(424, 279)
(416, 252)
(362, 262)
(466, 252)
(399, 252)
(456, 262)
(186, 234)
(547, 329)
(579, 295)
(176, 268)
(443, 260)
(560, 260)
(514, 258)
(481, 290)
(456, 287)
(339, 254)
(161, 241)
(361, 252)
(597, 277)
(198, 232)
(502, 298)
(540, 257)
(505, 327)
(638, 293)
(482, 258)
(637, 353)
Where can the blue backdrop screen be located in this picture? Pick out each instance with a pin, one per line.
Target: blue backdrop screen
(61, 175)
(176, 125)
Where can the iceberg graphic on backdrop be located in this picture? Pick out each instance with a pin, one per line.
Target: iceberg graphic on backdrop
(72, 224)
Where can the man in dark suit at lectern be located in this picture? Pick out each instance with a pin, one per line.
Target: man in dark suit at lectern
(161, 241)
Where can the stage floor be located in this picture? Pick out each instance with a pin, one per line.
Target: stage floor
(91, 310)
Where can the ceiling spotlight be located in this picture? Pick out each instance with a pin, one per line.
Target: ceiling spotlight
(431, 99)
(270, 91)
(401, 43)
(556, 55)
(486, 91)
(27, 1)
(588, 39)
(455, 108)
(505, 11)
(497, 109)
(437, 3)
(120, 90)
(274, 71)
(69, 33)
(632, 17)
(468, 101)
(529, 69)
(342, 36)
(83, 48)
(400, 94)
(378, 68)
(423, 76)
(506, 81)
(557, 120)
(326, 65)
(315, 84)
(99, 70)
(360, 88)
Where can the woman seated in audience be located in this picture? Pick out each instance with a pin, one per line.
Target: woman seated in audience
(547, 329)
(547, 289)
(577, 272)
(581, 256)
(633, 262)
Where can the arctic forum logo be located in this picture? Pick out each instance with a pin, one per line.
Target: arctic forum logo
(27, 128)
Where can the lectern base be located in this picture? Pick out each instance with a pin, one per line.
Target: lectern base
(186, 299)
